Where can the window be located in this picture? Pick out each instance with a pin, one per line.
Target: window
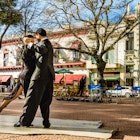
(57, 56)
(5, 59)
(76, 56)
(57, 53)
(18, 56)
(76, 45)
(130, 42)
(129, 68)
(109, 57)
(93, 60)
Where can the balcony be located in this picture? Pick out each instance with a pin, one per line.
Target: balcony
(129, 52)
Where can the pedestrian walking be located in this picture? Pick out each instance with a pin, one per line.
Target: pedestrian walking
(81, 86)
(40, 89)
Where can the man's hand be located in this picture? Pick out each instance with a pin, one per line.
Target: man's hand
(30, 45)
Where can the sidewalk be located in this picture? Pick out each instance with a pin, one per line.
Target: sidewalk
(123, 116)
(89, 129)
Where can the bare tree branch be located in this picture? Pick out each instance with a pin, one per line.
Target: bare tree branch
(106, 20)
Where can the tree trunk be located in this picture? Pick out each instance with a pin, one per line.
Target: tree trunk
(2, 35)
(101, 66)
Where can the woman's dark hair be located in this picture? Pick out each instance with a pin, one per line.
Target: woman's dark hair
(29, 36)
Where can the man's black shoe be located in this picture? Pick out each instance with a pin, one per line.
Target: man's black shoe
(18, 124)
(47, 125)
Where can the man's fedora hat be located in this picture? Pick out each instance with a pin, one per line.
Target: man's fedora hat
(41, 31)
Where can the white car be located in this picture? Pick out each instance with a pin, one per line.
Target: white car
(122, 91)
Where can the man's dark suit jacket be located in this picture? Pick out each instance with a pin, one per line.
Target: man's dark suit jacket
(44, 60)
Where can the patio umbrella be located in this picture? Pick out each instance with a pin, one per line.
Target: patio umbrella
(64, 71)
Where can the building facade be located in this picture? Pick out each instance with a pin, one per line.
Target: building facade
(123, 62)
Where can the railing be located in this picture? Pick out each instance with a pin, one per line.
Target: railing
(129, 51)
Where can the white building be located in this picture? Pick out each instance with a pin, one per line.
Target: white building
(122, 62)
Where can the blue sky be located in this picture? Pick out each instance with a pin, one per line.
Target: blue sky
(133, 5)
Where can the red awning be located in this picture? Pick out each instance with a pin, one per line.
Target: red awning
(58, 77)
(4, 78)
(69, 79)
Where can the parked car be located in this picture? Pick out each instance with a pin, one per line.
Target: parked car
(121, 91)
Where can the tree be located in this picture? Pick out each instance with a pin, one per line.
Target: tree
(32, 14)
(9, 15)
(104, 19)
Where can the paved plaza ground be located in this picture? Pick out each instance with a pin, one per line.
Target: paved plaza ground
(122, 114)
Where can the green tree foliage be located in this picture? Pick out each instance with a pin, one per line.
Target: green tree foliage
(8, 15)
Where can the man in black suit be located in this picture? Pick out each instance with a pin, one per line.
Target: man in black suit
(40, 89)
